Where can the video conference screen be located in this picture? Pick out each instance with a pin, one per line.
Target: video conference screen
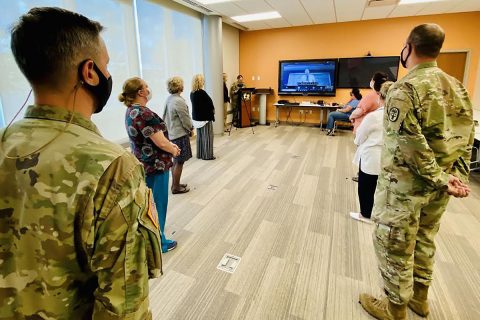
(307, 77)
(357, 72)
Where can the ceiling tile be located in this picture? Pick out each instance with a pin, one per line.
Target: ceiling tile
(438, 7)
(407, 10)
(466, 5)
(306, 12)
(228, 9)
(254, 6)
(377, 12)
(278, 23)
(320, 11)
(348, 10)
(292, 11)
(255, 25)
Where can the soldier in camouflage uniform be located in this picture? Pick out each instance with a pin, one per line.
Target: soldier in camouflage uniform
(79, 234)
(428, 137)
(236, 98)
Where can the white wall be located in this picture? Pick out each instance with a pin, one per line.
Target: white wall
(231, 55)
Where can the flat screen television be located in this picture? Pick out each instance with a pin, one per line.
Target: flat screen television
(357, 72)
(307, 77)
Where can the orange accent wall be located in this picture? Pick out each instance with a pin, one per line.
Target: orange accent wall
(261, 50)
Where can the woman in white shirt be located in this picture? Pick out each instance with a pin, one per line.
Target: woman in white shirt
(369, 141)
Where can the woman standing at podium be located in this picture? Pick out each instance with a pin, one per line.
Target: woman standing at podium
(203, 114)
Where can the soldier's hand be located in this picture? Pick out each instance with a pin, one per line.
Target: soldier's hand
(455, 181)
(457, 188)
(458, 191)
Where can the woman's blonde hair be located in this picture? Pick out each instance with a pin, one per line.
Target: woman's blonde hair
(130, 90)
(384, 89)
(198, 82)
(175, 85)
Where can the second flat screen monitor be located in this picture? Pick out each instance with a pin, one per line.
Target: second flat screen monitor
(357, 72)
(307, 77)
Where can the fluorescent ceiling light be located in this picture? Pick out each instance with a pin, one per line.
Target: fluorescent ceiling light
(416, 1)
(212, 1)
(257, 16)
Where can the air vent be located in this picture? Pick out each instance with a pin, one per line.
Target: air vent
(381, 3)
(195, 6)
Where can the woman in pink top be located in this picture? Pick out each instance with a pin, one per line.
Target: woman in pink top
(369, 102)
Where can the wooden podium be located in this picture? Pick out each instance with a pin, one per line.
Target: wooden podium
(244, 112)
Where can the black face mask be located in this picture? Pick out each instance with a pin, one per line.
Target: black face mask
(101, 91)
(402, 61)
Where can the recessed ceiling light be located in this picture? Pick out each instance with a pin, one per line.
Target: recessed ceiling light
(257, 16)
(417, 1)
(212, 1)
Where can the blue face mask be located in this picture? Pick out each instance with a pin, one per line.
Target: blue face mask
(101, 92)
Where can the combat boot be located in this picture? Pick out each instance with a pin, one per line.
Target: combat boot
(419, 301)
(383, 309)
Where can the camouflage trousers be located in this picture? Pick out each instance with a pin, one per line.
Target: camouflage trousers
(225, 113)
(406, 252)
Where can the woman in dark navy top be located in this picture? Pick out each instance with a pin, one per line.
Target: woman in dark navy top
(203, 113)
(149, 143)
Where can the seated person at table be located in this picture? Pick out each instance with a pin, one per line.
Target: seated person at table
(344, 113)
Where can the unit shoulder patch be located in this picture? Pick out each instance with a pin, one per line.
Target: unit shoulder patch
(393, 114)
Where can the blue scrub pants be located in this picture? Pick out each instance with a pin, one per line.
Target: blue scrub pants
(158, 182)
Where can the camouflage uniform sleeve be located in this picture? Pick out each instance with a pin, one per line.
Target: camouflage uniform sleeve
(401, 116)
(461, 167)
(124, 247)
(233, 89)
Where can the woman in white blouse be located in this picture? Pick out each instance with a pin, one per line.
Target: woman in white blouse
(369, 141)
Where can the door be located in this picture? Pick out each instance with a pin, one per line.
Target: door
(453, 63)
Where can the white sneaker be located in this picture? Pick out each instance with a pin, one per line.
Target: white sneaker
(358, 216)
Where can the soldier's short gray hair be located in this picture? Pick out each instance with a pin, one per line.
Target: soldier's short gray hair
(427, 39)
(48, 43)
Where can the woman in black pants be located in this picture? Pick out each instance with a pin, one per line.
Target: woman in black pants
(203, 114)
(369, 139)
